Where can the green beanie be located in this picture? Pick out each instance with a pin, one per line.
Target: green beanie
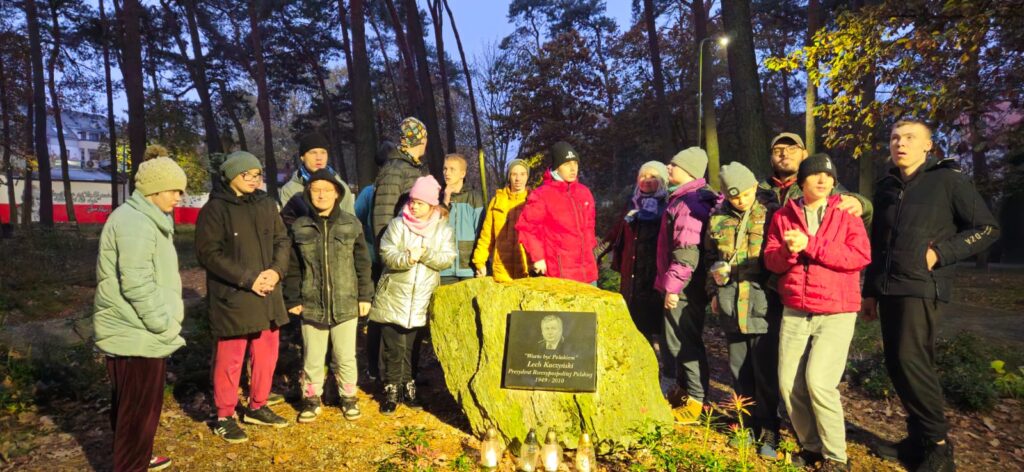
(238, 162)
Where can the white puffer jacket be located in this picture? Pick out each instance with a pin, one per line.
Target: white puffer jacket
(404, 290)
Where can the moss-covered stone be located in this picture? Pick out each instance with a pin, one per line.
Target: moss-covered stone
(468, 327)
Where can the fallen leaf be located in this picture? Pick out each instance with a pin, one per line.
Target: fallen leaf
(994, 443)
(231, 456)
(282, 458)
(988, 423)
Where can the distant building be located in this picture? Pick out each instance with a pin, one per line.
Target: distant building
(83, 134)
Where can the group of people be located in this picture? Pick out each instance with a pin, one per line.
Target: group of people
(779, 261)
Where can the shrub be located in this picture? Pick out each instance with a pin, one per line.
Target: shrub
(965, 373)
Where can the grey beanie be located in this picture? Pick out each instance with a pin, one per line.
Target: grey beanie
(736, 179)
(517, 162)
(158, 175)
(659, 169)
(238, 162)
(693, 160)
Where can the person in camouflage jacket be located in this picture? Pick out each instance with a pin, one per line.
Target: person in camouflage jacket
(733, 244)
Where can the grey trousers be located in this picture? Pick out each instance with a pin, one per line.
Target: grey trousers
(342, 338)
(683, 355)
(812, 358)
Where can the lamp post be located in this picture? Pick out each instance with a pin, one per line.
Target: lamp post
(722, 41)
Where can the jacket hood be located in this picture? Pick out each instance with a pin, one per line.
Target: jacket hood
(162, 220)
(229, 196)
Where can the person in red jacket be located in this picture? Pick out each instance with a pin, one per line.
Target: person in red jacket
(557, 224)
(819, 251)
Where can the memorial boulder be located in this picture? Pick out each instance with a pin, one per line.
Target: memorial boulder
(469, 328)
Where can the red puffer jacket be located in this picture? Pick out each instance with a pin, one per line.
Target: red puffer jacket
(824, 278)
(557, 226)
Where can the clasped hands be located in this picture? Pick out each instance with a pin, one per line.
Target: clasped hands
(415, 254)
(796, 240)
(266, 282)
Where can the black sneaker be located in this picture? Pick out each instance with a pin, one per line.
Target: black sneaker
(350, 408)
(228, 430)
(938, 458)
(390, 402)
(275, 399)
(310, 409)
(409, 397)
(806, 458)
(159, 463)
(909, 451)
(264, 417)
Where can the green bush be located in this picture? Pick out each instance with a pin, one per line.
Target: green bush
(27, 380)
(964, 371)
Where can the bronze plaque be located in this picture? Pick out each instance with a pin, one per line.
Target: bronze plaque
(551, 350)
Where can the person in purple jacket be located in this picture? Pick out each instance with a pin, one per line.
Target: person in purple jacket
(681, 277)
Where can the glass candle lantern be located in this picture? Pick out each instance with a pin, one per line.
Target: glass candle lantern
(529, 454)
(586, 459)
(551, 453)
(491, 450)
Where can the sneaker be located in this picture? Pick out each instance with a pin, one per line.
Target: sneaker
(159, 463)
(264, 417)
(689, 413)
(769, 445)
(310, 409)
(350, 408)
(907, 451)
(938, 458)
(829, 465)
(409, 397)
(228, 430)
(275, 399)
(806, 458)
(390, 402)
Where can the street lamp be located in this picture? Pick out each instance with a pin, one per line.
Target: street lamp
(723, 41)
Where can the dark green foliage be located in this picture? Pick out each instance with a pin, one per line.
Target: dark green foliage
(967, 380)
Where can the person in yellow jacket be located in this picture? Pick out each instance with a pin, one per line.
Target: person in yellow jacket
(498, 240)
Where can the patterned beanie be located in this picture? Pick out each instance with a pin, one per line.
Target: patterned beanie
(413, 132)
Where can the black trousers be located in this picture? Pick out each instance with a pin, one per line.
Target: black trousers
(136, 397)
(754, 363)
(373, 348)
(909, 326)
(399, 344)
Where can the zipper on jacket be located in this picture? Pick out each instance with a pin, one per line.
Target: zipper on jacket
(579, 227)
(412, 293)
(329, 302)
(892, 239)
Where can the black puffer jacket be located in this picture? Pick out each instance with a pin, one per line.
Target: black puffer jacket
(392, 188)
(330, 269)
(938, 208)
(236, 239)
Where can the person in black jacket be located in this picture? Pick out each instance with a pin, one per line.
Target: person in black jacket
(329, 286)
(244, 247)
(928, 217)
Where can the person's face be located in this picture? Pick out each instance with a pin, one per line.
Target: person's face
(166, 200)
(678, 176)
(744, 200)
(909, 145)
(315, 159)
(418, 150)
(551, 330)
(786, 158)
(569, 171)
(324, 195)
(419, 208)
(517, 177)
(247, 182)
(818, 186)
(454, 171)
(647, 180)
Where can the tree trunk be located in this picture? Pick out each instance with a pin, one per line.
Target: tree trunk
(866, 161)
(346, 42)
(131, 70)
(336, 154)
(428, 107)
(707, 99)
(111, 124)
(815, 19)
(442, 67)
(364, 131)
(197, 68)
(263, 101)
(65, 173)
(408, 68)
(472, 99)
(978, 144)
(660, 105)
(402, 104)
(26, 196)
(5, 117)
(39, 105)
(230, 107)
(746, 87)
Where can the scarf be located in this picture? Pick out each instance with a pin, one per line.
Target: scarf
(418, 226)
(646, 206)
(556, 177)
(784, 184)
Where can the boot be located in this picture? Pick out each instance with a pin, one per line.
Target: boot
(390, 402)
(409, 396)
(938, 458)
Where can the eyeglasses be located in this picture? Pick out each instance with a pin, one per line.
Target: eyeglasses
(778, 151)
(246, 176)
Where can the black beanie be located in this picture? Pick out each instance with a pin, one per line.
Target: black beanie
(312, 141)
(328, 175)
(819, 162)
(561, 153)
